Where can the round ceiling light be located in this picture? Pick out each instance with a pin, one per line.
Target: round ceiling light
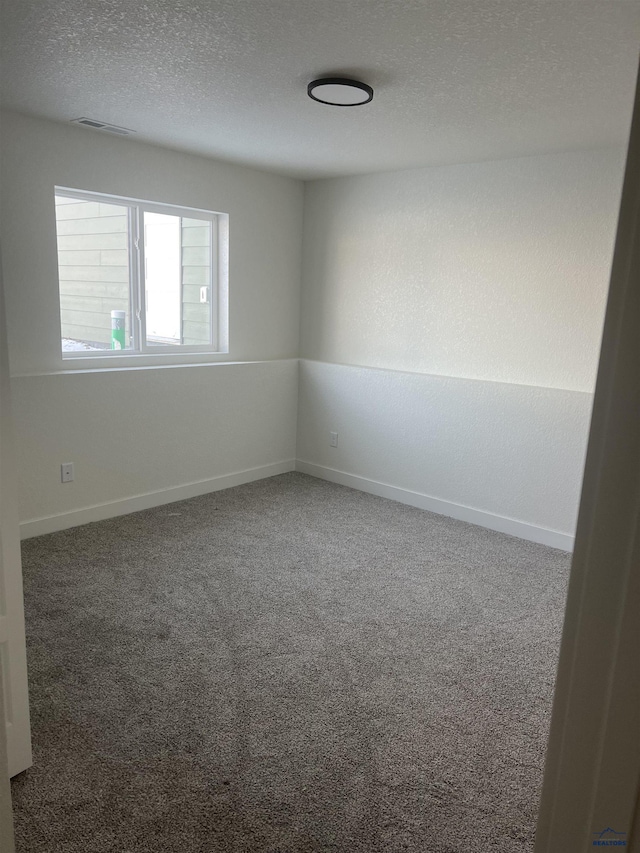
(339, 92)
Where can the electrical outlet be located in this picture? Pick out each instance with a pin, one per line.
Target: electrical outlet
(66, 472)
(333, 439)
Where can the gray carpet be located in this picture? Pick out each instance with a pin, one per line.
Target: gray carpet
(283, 667)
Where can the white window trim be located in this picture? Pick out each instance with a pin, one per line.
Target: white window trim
(141, 352)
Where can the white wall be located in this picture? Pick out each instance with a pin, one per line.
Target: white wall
(493, 273)
(135, 432)
(265, 213)
(144, 437)
(501, 455)
(480, 291)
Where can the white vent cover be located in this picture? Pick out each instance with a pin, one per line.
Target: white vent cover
(102, 125)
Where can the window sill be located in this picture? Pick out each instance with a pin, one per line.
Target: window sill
(117, 361)
(144, 362)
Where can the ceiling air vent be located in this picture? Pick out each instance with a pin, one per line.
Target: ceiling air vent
(102, 125)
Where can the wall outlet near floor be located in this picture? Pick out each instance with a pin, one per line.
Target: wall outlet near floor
(66, 472)
(333, 439)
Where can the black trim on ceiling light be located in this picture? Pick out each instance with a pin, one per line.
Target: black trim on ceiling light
(339, 81)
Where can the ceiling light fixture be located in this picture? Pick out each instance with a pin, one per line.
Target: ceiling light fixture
(339, 92)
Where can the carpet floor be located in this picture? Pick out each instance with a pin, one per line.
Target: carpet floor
(285, 667)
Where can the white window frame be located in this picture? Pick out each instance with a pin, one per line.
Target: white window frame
(217, 279)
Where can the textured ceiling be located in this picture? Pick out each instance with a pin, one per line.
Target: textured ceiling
(454, 81)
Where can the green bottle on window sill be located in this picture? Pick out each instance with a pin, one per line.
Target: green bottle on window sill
(117, 329)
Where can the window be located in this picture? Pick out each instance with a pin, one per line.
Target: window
(138, 278)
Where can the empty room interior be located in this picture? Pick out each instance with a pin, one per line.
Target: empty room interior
(303, 309)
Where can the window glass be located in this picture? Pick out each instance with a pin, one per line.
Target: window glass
(162, 279)
(196, 281)
(177, 252)
(94, 273)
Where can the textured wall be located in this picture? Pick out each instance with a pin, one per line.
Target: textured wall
(511, 451)
(490, 271)
(265, 216)
(481, 291)
(495, 272)
(132, 432)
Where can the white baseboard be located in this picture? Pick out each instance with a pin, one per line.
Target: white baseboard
(110, 509)
(124, 506)
(521, 529)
